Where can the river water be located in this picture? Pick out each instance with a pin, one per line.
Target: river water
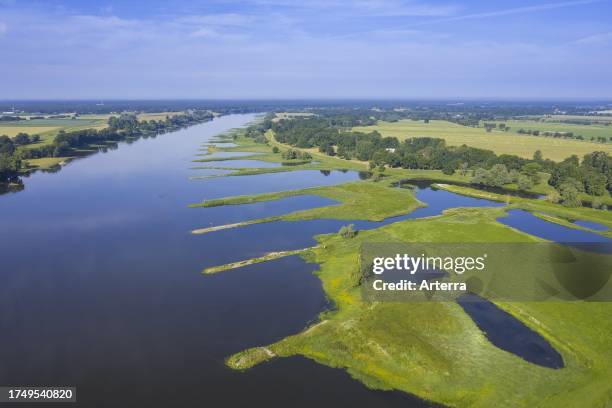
(101, 284)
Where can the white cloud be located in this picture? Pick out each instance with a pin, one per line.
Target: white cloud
(595, 39)
(387, 8)
(392, 8)
(226, 19)
(281, 52)
(205, 33)
(517, 10)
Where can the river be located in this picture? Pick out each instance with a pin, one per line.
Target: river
(101, 284)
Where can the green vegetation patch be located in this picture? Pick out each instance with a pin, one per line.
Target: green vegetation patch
(434, 350)
(537, 206)
(358, 200)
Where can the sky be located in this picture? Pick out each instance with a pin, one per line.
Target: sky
(305, 49)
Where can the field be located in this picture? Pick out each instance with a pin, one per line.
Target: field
(595, 118)
(46, 162)
(157, 116)
(499, 142)
(12, 130)
(548, 125)
(141, 116)
(48, 128)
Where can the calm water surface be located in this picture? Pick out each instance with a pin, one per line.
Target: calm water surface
(529, 223)
(237, 164)
(592, 225)
(101, 285)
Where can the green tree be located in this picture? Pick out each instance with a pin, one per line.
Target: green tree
(481, 176)
(449, 169)
(537, 156)
(21, 139)
(348, 231)
(570, 196)
(553, 196)
(594, 183)
(524, 182)
(6, 145)
(61, 149)
(597, 203)
(514, 176)
(9, 167)
(499, 175)
(532, 170)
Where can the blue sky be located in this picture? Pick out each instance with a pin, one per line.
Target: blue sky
(305, 49)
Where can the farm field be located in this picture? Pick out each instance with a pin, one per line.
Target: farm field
(48, 128)
(595, 118)
(499, 142)
(588, 131)
(141, 116)
(12, 130)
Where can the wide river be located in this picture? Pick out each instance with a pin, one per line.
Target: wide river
(102, 286)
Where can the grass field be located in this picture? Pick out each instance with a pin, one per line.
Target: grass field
(595, 118)
(13, 130)
(499, 142)
(46, 162)
(434, 349)
(48, 128)
(587, 131)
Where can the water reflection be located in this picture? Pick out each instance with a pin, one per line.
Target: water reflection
(506, 332)
(101, 284)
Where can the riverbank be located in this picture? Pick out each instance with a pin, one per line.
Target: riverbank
(433, 350)
(69, 142)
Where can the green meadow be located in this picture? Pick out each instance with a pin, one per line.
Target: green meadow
(48, 128)
(433, 350)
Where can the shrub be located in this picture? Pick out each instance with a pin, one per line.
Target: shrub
(348, 231)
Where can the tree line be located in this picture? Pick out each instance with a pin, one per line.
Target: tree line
(122, 127)
(592, 175)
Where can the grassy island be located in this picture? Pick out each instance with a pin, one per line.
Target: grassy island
(433, 350)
